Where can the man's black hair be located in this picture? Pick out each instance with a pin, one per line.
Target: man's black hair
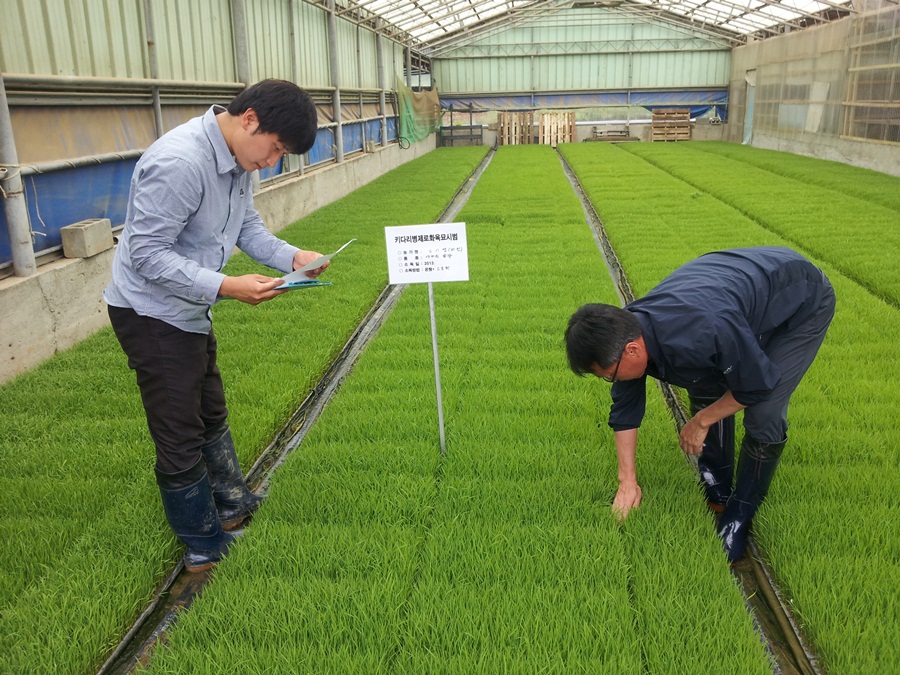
(598, 334)
(283, 109)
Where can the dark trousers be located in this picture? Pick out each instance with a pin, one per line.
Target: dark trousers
(180, 384)
(793, 350)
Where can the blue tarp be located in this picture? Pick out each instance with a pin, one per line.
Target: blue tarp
(61, 198)
(64, 197)
(321, 150)
(353, 137)
(273, 171)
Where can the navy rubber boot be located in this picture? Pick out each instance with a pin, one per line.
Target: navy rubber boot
(756, 467)
(191, 511)
(234, 500)
(716, 461)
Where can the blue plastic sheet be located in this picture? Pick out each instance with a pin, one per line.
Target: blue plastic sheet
(61, 198)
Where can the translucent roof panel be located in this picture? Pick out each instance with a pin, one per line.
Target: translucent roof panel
(427, 19)
(425, 23)
(749, 16)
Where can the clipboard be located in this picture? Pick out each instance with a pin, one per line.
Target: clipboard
(298, 278)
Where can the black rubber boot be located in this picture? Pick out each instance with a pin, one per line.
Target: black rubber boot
(716, 461)
(191, 511)
(756, 467)
(234, 500)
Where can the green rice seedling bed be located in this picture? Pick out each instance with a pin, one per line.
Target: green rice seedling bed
(868, 185)
(84, 538)
(830, 525)
(375, 554)
(858, 236)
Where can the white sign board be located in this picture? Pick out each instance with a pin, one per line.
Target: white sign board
(418, 254)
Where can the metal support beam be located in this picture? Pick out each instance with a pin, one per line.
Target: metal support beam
(295, 76)
(89, 160)
(79, 85)
(154, 66)
(295, 56)
(547, 49)
(12, 193)
(241, 50)
(382, 107)
(336, 83)
(409, 67)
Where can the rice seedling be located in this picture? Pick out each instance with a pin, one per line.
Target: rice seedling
(374, 554)
(86, 541)
(844, 434)
(855, 234)
(866, 184)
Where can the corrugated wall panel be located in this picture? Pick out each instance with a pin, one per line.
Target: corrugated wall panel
(369, 59)
(194, 40)
(681, 69)
(56, 37)
(584, 71)
(585, 50)
(312, 55)
(347, 56)
(268, 30)
(395, 64)
(15, 54)
(570, 26)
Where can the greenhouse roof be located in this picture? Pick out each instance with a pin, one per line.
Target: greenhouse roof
(431, 24)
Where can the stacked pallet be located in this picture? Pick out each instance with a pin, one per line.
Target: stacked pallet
(516, 128)
(671, 124)
(557, 128)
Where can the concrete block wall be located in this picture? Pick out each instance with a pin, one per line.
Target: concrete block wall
(62, 304)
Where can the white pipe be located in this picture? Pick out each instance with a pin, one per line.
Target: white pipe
(12, 193)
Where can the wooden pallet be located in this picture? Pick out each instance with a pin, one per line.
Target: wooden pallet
(557, 128)
(516, 128)
(671, 124)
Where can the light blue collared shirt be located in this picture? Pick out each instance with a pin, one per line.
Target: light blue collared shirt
(190, 204)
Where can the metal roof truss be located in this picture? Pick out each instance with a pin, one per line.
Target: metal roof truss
(434, 26)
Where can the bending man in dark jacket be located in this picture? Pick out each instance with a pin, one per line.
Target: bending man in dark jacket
(738, 330)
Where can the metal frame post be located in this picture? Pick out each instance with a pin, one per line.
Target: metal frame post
(289, 160)
(382, 104)
(409, 67)
(154, 66)
(437, 369)
(336, 83)
(295, 65)
(21, 241)
(241, 49)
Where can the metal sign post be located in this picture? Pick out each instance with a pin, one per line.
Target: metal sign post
(424, 254)
(437, 368)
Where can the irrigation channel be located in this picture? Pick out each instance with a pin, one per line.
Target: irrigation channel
(775, 622)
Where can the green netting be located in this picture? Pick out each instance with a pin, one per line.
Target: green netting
(420, 112)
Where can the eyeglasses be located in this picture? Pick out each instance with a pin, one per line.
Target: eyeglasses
(615, 372)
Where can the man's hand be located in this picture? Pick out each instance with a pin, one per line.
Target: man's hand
(692, 436)
(250, 288)
(694, 432)
(628, 497)
(302, 258)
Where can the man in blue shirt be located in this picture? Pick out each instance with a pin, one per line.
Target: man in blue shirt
(737, 329)
(190, 204)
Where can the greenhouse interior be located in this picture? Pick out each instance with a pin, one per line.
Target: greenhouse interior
(434, 216)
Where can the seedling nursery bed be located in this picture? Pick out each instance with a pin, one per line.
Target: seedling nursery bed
(373, 553)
